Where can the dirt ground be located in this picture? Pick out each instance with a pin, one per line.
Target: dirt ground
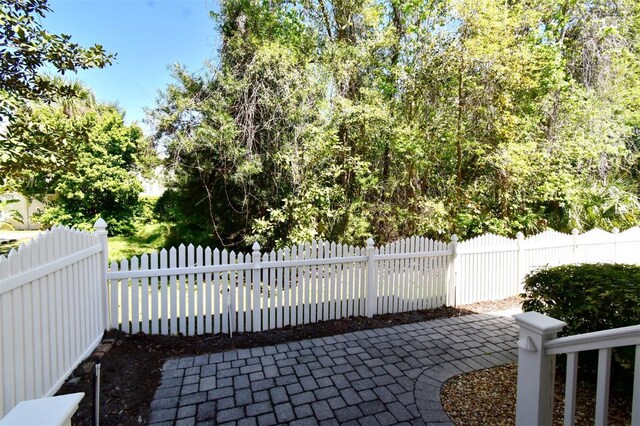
(130, 370)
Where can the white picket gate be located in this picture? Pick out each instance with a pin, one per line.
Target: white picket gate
(52, 312)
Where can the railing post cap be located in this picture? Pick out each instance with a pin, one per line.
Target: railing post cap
(574, 231)
(256, 246)
(454, 238)
(520, 236)
(370, 242)
(100, 224)
(539, 323)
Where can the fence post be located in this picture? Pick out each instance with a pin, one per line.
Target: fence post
(372, 291)
(521, 265)
(101, 234)
(575, 234)
(255, 280)
(534, 405)
(615, 233)
(453, 271)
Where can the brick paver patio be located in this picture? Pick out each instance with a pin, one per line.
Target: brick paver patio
(374, 377)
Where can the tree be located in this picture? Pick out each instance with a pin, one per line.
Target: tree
(98, 160)
(342, 120)
(25, 46)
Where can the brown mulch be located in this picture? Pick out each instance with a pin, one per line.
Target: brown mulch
(488, 397)
(493, 305)
(130, 370)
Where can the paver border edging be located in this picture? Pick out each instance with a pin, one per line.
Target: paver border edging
(429, 384)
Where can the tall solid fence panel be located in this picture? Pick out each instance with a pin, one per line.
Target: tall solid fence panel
(627, 246)
(488, 269)
(52, 312)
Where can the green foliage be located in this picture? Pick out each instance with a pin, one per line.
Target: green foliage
(25, 47)
(7, 214)
(345, 120)
(588, 297)
(145, 239)
(96, 161)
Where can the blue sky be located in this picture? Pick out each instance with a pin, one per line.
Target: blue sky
(147, 35)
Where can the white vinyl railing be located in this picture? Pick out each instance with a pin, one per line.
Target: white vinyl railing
(538, 347)
(52, 312)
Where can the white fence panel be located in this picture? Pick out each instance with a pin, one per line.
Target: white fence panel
(628, 246)
(595, 246)
(52, 311)
(488, 269)
(549, 248)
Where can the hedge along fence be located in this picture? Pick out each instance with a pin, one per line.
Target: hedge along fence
(193, 290)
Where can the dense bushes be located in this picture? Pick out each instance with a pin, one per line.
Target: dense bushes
(588, 297)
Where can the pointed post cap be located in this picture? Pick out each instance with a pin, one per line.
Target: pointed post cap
(615, 231)
(575, 231)
(100, 224)
(454, 238)
(520, 236)
(256, 246)
(370, 242)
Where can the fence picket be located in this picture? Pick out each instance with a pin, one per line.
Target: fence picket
(190, 287)
(287, 288)
(124, 297)
(225, 297)
(333, 298)
(173, 292)
(182, 289)
(144, 292)
(198, 290)
(164, 319)
(135, 295)
(298, 283)
(280, 289)
(214, 305)
(271, 316)
(154, 295)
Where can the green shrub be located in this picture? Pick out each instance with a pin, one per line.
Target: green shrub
(588, 297)
(145, 213)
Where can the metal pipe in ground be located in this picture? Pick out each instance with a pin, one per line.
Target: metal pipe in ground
(96, 395)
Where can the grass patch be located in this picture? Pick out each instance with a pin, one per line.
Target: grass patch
(15, 239)
(147, 239)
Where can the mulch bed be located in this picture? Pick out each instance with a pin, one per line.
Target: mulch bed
(488, 397)
(130, 370)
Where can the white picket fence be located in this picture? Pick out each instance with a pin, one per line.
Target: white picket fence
(193, 290)
(57, 295)
(52, 299)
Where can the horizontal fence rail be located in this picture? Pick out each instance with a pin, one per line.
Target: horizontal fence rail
(51, 311)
